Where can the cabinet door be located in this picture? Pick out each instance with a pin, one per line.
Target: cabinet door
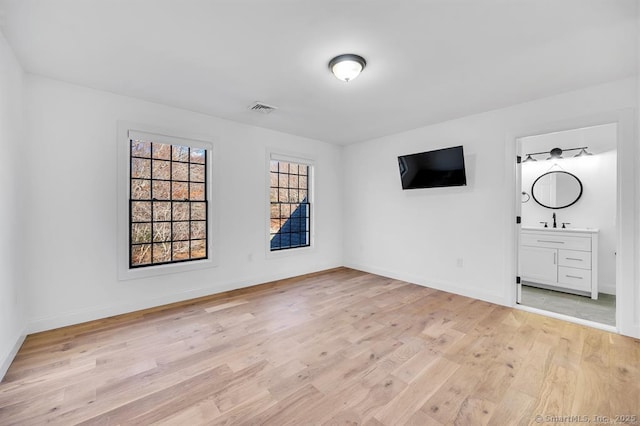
(539, 264)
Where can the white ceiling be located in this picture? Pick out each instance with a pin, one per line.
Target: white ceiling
(428, 60)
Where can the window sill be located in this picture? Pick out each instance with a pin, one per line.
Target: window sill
(298, 251)
(159, 270)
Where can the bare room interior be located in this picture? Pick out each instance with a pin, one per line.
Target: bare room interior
(343, 212)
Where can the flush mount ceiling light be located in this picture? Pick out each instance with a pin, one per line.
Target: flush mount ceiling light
(347, 67)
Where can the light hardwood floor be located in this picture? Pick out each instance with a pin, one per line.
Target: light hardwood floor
(341, 347)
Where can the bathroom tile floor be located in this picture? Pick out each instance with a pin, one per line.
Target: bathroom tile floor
(602, 310)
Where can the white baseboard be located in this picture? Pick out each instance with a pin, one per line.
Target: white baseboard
(631, 331)
(438, 285)
(607, 288)
(98, 312)
(8, 359)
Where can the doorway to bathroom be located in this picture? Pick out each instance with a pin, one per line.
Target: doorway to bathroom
(568, 232)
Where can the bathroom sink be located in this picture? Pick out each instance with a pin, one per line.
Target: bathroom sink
(559, 229)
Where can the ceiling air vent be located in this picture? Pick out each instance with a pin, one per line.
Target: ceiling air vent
(262, 107)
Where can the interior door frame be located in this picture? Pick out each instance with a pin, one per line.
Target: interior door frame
(518, 208)
(627, 291)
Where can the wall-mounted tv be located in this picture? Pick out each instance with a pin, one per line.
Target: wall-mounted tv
(431, 169)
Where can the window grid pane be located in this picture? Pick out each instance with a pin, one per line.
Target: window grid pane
(168, 204)
(290, 212)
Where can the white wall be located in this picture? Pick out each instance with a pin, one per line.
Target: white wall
(596, 208)
(71, 205)
(421, 235)
(12, 316)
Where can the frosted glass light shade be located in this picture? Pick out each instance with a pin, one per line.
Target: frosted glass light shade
(347, 67)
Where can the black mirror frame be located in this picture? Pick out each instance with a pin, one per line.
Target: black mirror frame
(533, 194)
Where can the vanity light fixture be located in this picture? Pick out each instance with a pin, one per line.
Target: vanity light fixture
(556, 153)
(347, 67)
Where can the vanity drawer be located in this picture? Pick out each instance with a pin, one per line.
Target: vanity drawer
(574, 278)
(556, 241)
(574, 259)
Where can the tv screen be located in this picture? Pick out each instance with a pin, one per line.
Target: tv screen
(442, 167)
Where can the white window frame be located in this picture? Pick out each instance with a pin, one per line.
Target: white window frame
(279, 155)
(125, 132)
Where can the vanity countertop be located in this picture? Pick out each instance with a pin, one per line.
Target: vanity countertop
(541, 229)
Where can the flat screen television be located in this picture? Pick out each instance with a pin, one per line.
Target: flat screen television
(432, 169)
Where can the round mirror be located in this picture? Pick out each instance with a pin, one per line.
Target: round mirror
(556, 190)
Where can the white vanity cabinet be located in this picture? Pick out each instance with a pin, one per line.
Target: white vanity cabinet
(562, 258)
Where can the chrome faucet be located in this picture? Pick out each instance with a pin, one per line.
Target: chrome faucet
(554, 220)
